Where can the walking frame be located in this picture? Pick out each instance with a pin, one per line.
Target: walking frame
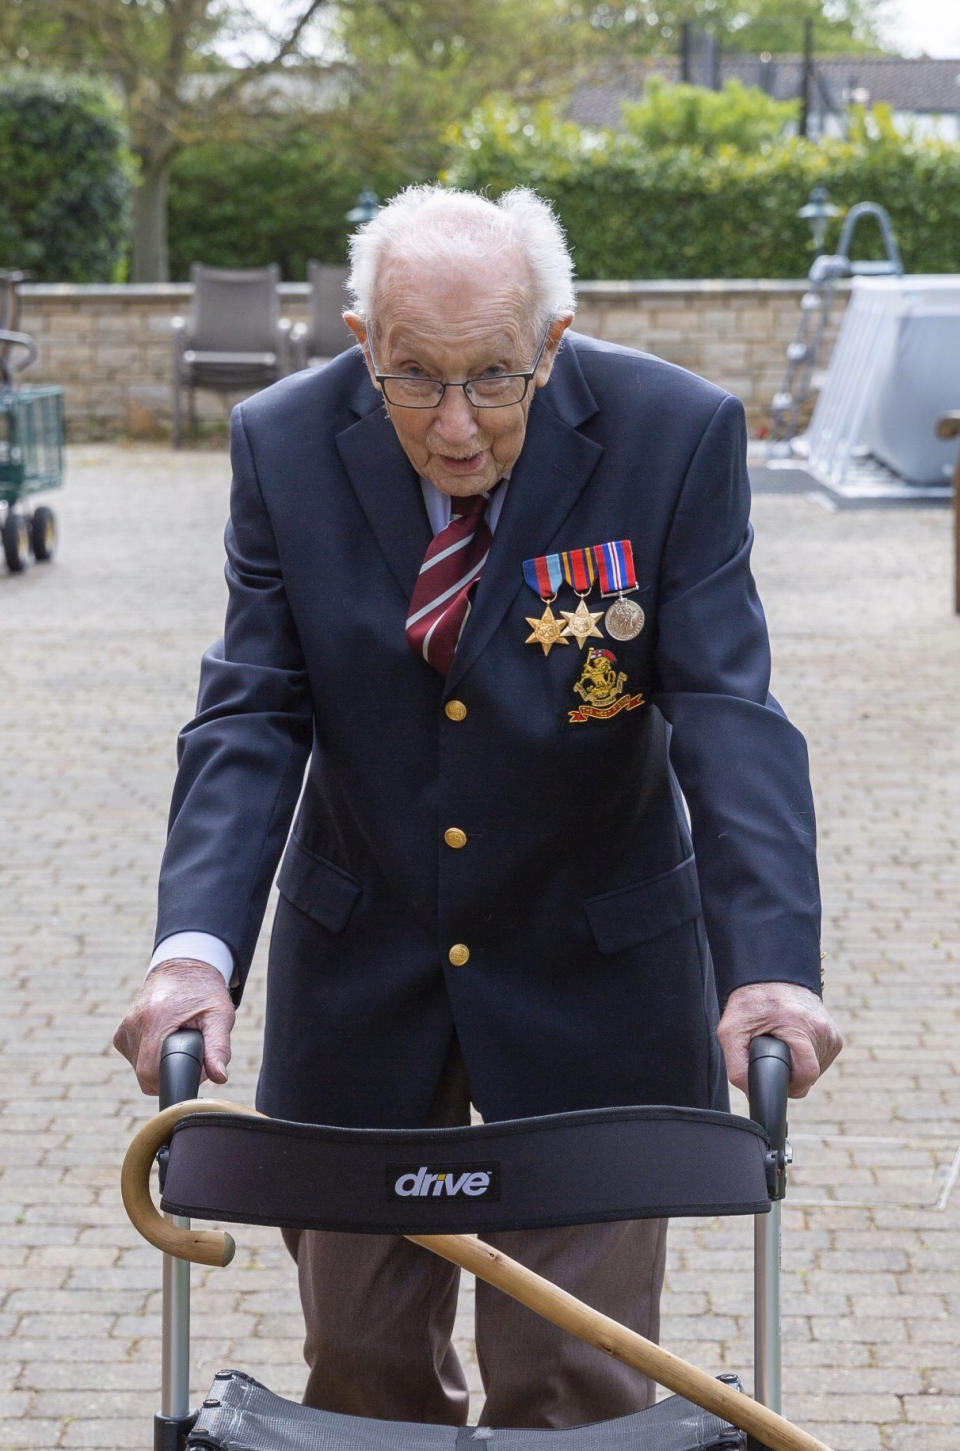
(222, 1161)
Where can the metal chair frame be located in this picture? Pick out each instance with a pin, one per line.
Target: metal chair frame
(325, 334)
(228, 348)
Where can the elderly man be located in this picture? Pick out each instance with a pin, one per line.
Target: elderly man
(490, 588)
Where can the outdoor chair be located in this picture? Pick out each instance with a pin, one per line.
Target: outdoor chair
(326, 334)
(10, 337)
(949, 427)
(234, 338)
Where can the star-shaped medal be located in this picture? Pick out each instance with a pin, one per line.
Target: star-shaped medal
(582, 623)
(546, 632)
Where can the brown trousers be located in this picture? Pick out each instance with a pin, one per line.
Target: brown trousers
(379, 1316)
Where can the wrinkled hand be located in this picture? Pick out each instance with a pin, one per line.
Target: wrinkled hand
(181, 993)
(789, 1012)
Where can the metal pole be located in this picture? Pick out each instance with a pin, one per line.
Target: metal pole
(181, 1062)
(175, 1382)
(767, 1357)
(804, 123)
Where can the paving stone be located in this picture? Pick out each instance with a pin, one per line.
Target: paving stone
(843, 1436)
(95, 1434)
(76, 1377)
(809, 1409)
(934, 1410)
(14, 1404)
(27, 1431)
(910, 1437)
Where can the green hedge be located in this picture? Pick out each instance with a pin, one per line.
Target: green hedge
(245, 204)
(629, 211)
(65, 179)
(633, 213)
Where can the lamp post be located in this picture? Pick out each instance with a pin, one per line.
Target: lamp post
(367, 206)
(817, 213)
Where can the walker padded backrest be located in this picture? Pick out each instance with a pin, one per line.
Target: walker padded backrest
(569, 1168)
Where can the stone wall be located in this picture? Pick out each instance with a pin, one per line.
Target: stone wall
(109, 347)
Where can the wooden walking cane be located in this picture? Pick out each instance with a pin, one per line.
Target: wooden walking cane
(669, 1370)
(215, 1247)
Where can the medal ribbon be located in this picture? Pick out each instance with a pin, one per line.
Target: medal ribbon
(544, 575)
(615, 566)
(579, 569)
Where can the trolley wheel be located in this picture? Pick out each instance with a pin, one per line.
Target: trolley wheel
(16, 542)
(43, 532)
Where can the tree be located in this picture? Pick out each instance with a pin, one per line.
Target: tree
(740, 116)
(419, 67)
(65, 179)
(637, 27)
(390, 78)
(160, 56)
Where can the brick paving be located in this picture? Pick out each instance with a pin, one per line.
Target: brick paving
(97, 671)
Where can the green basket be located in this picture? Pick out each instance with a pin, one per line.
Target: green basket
(31, 441)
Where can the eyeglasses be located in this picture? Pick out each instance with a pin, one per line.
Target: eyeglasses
(496, 390)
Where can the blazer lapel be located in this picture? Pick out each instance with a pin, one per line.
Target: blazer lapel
(387, 487)
(546, 481)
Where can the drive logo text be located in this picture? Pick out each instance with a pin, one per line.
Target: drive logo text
(444, 1181)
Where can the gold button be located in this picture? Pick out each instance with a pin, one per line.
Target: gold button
(455, 710)
(459, 954)
(454, 837)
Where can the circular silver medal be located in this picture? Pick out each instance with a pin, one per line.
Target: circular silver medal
(624, 619)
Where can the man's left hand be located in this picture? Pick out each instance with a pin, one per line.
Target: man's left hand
(789, 1012)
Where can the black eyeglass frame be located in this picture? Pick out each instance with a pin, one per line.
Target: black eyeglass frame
(528, 375)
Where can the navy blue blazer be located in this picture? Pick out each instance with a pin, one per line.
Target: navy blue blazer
(577, 895)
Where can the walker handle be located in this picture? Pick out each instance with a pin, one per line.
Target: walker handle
(768, 1079)
(181, 1064)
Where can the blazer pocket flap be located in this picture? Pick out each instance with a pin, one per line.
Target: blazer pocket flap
(317, 887)
(634, 914)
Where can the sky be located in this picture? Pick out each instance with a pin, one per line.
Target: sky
(916, 27)
(913, 27)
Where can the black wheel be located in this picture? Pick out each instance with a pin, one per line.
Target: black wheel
(16, 542)
(43, 532)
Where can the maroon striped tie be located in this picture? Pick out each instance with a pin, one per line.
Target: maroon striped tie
(451, 567)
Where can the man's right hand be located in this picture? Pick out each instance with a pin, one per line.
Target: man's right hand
(181, 993)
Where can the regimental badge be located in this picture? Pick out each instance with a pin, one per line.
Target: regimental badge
(601, 686)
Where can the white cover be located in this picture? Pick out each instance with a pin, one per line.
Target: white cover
(895, 369)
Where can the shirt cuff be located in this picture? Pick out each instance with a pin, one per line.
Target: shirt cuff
(200, 945)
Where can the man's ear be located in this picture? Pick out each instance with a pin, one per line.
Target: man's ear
(357, 325)
(557, 329)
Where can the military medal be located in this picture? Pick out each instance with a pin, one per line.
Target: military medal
(624, 618)
(544, 575)
(546, 631)
(579, 572)
(581, 623)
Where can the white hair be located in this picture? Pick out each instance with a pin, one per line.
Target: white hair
(435, 224)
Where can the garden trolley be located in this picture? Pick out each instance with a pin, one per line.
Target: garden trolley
(31, 442)
(220, 1161)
